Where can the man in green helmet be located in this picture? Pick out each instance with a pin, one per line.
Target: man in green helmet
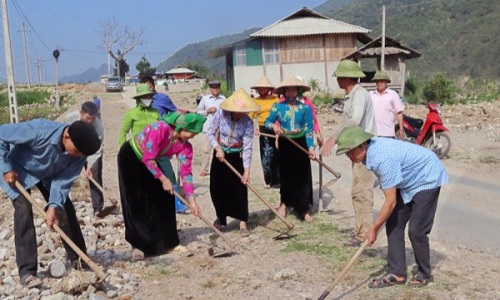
(358, 110)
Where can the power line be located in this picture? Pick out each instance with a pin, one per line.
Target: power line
(21, 12)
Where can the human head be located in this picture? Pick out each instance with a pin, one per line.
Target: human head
(239, 103)
(80, 139)
(88, 112)
(144, 95)
(97, 103)
(348, 72)
(186, 125)
(291, 87)
(352, 141)
(149, 81)
(381, 79)
(263, 87)
(214, 87)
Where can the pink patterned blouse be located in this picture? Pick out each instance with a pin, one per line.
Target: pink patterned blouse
(155, 141)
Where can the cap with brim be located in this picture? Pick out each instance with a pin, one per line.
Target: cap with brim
(350, 138)
(142, 89)
(191, 121)
(240, 101)
(349, 69)
(381, 76)
(263, 82)
(214, 82)
(291, 81)
(84, 137)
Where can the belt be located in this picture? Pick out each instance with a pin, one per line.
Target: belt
(136, 148)
(296, 135)
(234, 148)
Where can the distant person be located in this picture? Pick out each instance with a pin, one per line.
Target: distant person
(358, 110)
(138, 117)
(387, 107)
(161, 101)
(209, 104)
(90, 114)
(411, 197)
(269, 155)
(49, 155)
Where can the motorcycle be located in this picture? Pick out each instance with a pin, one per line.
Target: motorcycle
(430, 133)
(338, 105)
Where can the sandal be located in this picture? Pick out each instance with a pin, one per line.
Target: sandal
(386, 281)
(353, 242)
(244, 232)
(419, 280)
(31, 281)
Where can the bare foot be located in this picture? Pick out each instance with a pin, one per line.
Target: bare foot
(308, 218)
(282, 210)
(137, 254)
(204, 173)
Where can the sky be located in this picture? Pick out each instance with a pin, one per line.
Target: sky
(73, 27)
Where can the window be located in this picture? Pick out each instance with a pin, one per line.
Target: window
(271, 51)
(240, 55)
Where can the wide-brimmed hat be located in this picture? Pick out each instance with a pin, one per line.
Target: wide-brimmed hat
(263, 82)
(240, 101)
(292, 81)
(348, 69)
(192, 122)
(381, 75)
(351, 137)
(142, 89)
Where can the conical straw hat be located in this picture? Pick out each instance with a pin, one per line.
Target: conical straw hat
(263, 82)
(291, 81)
(240, 101)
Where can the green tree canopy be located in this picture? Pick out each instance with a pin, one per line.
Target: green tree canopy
(144, 67)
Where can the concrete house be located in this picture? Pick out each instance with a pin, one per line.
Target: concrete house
(304, 43)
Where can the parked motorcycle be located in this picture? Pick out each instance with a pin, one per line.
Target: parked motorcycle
(338, 105)
(430, 133)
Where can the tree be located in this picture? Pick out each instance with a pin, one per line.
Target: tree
(123, 39)
(144, 67)
(122, 68)
(201, 69)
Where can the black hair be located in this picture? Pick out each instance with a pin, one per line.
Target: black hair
(147, 79)
(90, 108)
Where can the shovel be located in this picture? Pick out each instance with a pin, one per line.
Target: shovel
(320, 162)
(108, 209)
(63, 235)
(344, 271)
(229, 243)
(289, 225)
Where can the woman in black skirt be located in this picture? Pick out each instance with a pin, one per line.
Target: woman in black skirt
(231, 134)
(296, 121)
(146, 194)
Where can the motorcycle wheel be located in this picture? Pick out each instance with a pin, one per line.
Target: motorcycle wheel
(441, 146)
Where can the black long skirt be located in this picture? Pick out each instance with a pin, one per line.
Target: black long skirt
(269, 157)
(148, 210)
(296, 177)
(229, 195)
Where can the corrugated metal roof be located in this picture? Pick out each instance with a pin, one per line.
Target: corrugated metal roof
(307, 22)
(374, 48)
(179, 71)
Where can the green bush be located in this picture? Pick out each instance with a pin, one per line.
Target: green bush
(440, 89)
(25, 97)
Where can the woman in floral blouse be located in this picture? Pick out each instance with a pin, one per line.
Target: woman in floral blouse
(231, 134)
(146, 193)
(296, 121)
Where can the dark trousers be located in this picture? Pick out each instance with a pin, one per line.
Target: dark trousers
(96, 194)
(25, 236)
(420, 213)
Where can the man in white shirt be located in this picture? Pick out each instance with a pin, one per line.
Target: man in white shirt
(208, 105)
(387, 107)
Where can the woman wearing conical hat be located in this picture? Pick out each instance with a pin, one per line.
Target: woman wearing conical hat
(296, 121)
(231, 133)
(268, 152)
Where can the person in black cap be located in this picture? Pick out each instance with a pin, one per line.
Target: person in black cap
(49, 155)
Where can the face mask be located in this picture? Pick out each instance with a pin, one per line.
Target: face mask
(146, 102)
(290, 99)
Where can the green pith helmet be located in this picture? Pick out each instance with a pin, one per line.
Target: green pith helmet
(142, 89)
(349, 69)
(381, 75)
(351, 137)
(191, 121)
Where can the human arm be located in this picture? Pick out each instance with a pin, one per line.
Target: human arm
(164, 103)
(384, 214)
(399, 118)
(308, 128)
(213, 128)
(202, 108)
(14, 134)
(125, 128)
(270, 122)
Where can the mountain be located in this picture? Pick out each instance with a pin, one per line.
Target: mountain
(91, 75)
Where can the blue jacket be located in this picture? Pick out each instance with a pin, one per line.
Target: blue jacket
(34, 150)
(163, 104)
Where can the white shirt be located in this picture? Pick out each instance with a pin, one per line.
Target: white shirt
(205, 103)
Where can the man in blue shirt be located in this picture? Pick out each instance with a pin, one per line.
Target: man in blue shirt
(411, 177)
(51, 156)
(161, 101)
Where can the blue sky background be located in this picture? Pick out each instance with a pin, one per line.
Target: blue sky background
(73, 25)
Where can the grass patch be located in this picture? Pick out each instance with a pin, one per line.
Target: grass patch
(157, 270)
(489, 160)
(208, 285)
(25, 97)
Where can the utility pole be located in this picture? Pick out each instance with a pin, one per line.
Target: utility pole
(11, 83)
(26, 58)
(38, 65)
(382, 55)
(56, 55)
